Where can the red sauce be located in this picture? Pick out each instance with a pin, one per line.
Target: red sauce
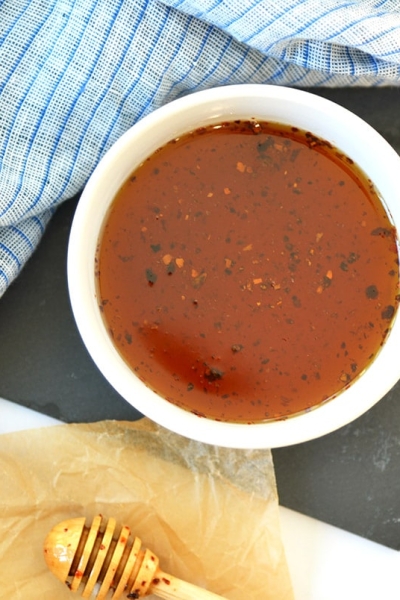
(248, 271)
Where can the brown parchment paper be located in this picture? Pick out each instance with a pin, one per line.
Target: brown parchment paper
(210, 514)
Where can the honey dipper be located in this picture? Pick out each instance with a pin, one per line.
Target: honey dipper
(92, 560)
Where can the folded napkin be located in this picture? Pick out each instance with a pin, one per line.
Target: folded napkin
(75, 74)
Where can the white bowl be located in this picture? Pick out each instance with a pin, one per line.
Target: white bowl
(298, 108)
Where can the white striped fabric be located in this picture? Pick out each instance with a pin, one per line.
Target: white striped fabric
(75, 74)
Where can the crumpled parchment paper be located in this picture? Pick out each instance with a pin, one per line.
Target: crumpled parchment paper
(209, 513)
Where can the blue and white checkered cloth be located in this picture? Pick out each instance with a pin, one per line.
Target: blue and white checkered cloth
(75, 74)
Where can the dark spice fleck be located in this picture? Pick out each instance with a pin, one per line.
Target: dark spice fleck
(151, 277)
(171, 268)
(236, 347)
(296, 301)
(294, 154)
(125, 259)
(382, 232)
(371, 292)
(155, 247)
(212, 374)
(352, 258)
(388, 312)
(263, 146)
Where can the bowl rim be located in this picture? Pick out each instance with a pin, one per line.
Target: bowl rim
(219, 104)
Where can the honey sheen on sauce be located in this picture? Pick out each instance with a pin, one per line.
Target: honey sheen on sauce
(248, 271)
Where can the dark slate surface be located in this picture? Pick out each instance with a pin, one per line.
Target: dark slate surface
(350, 478)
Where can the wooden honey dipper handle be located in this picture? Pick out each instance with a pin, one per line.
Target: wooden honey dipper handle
(171, 588)
(93, 560)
